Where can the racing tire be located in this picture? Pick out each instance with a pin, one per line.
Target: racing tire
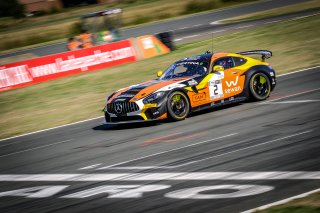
(107, 117)
(260, 86)
(178, 106)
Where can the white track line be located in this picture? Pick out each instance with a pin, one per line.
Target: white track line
(270, 22)
(176, 176)
(142, 167)
(292, 102)
(31, 149)
(245, 26)
(306, 16)
(90, 167)
(297, 71)
(245, 148)
(43, 130)
(115, 166)
(288, 96)
(281, 201)
(301, 70)
(240, 27)
(170, 150)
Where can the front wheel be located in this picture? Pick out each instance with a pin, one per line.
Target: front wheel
(178, 106)
(260, 86)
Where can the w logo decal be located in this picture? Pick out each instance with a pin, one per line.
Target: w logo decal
(232, 83)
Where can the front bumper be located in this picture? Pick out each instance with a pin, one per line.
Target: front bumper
(144, 112)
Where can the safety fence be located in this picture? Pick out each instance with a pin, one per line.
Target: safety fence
(25, 73)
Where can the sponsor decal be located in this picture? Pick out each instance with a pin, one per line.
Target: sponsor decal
(199, 97)
(46, 68)
(219, 75)
(14, 75)
(232, 83)
(233, 89)
(187, 62)
(147, 43)
(156, 113)
(174, 86)
(192, 82)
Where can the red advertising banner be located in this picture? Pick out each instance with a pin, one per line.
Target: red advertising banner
(46, 68)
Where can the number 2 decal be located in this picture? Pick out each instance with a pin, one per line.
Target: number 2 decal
(215, 89)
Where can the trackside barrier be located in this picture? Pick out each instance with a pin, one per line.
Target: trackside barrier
(25, 73)
(151, 46)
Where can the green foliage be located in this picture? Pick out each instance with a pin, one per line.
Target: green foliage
(233, 1)
(199, 6)
(141, 20)
(31, 40)
(196, 6)
(11, 8)
(54, 10)
(75, 29)
(40, 13)
(293, 209)
(130, 1)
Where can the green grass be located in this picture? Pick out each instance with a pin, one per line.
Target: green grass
(309, 204)
(294, 44)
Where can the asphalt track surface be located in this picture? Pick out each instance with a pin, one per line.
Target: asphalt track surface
(185, 29)
(243, 156)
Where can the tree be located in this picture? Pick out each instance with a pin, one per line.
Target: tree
(11, 8)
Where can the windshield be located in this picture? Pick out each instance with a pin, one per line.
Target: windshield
(185, 69)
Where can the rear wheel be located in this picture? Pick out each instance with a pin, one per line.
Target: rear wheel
(260, 86)
(178, 106)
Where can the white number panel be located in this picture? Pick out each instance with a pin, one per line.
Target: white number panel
(215, 85)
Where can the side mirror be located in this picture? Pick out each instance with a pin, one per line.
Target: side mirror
(218, 68)
(159, 73)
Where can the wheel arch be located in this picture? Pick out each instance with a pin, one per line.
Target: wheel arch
(183, 91)
(253, 70)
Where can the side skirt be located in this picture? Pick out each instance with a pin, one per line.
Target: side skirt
(219, 103)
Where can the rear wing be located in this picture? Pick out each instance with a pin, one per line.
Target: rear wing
(265, 54)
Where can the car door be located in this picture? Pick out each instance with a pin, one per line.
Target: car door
(227, 83)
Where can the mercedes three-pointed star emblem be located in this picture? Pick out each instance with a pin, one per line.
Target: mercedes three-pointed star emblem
(118, 108)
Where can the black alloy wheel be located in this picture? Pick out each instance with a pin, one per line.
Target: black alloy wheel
(260, 86)
(178, 106)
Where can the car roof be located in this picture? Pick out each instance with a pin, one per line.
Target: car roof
(202, 57)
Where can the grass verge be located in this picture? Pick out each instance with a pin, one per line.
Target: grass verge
(315, 4)
(35, 30)
(82, 96)
(309, 204)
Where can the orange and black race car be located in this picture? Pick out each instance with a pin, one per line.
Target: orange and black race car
(194, 83)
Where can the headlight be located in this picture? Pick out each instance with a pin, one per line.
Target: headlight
(153, 97)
